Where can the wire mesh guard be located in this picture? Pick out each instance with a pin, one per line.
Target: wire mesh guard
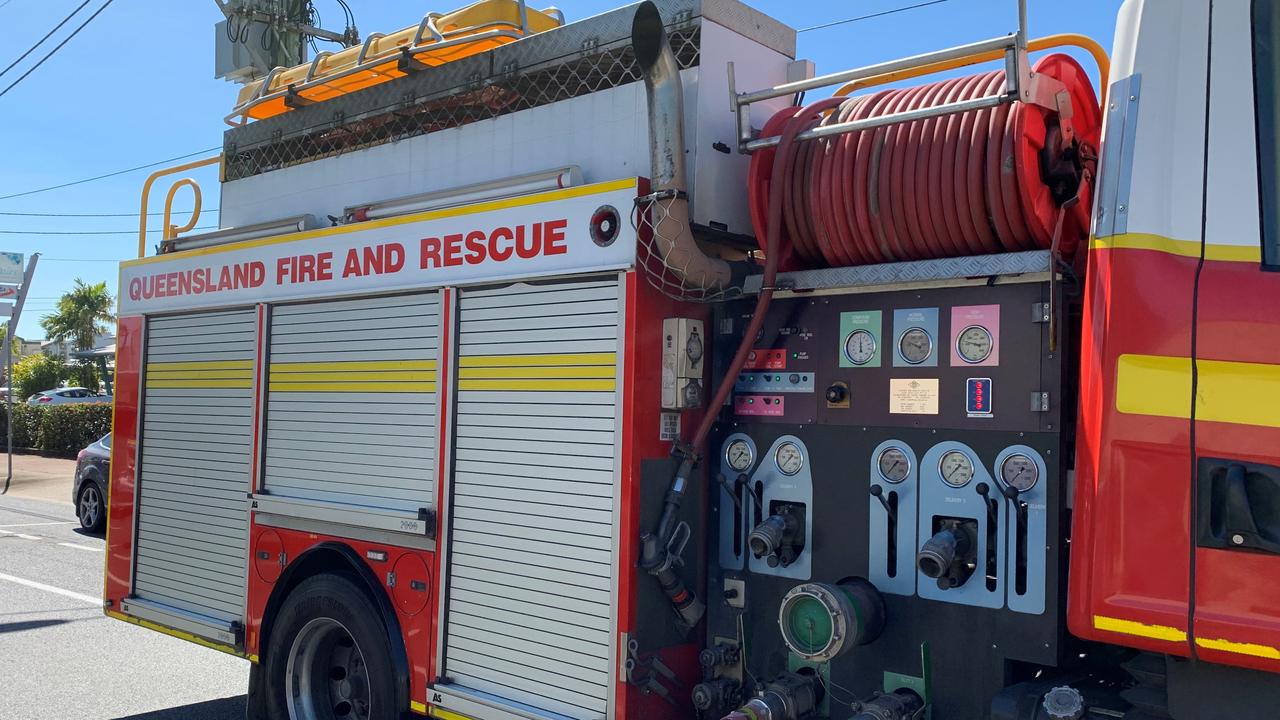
(671, 268)
(413, 106)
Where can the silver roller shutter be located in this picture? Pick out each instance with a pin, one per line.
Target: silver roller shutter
(197, 420)
(530, 604)
(351, 408)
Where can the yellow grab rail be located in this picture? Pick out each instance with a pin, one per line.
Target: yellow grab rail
(169, 231)
(146, 194)
(1083, 42)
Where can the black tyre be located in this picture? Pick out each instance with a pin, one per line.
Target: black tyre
(91, 506)
(328, 656)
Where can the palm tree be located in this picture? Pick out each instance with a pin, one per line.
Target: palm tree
(82, 315)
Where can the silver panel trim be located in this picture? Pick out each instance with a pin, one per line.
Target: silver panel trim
(350, 532)
(201, 626)
(340, 514)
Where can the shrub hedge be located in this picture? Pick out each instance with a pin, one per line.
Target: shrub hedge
(56, 429)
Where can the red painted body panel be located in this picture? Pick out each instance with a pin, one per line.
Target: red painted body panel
(124, 459)
(646, 309)
(1129, 543)
(416, 627)
(1236, 596)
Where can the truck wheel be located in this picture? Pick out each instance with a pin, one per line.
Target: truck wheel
(328, 657)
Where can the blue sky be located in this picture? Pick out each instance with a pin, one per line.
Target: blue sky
(137, 86)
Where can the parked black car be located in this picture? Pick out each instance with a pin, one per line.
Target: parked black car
(89, 491)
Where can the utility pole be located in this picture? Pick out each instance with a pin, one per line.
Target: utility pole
(259, 35)
(9, 271)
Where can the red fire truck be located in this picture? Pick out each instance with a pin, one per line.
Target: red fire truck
(547, 369)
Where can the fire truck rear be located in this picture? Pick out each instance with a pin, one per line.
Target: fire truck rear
(547, 369)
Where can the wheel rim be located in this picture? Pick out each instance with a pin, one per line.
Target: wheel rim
(326, 674)
(90, 506)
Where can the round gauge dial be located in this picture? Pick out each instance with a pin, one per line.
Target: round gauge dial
(915, 345)
(860, 347)
(789, 458)
(739, 455)
(1019, 472)
(974, 344)
(956, 468)
(894, 465)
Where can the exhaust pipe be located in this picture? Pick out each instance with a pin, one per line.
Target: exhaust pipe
(672, 237)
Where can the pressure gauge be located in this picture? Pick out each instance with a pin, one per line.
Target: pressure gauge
(860, 347)
(974, 344)
(789, 458)
(1019, 472)
(956, 468)
(739, 455)
(894, 465)
(915, 345)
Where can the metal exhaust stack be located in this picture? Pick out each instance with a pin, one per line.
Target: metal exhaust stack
(671, 234)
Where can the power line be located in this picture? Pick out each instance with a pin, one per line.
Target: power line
(56, 48)
(47, 35)
(873, 15)
(175, 213)
(91, 232)
(110, 174)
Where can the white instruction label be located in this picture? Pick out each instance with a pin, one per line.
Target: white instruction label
(913, 396)
(669, 426)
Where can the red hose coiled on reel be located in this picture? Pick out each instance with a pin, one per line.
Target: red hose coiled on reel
(983, 181)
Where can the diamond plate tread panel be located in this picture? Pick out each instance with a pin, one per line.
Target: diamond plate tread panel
(913, 271)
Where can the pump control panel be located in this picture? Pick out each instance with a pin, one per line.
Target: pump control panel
(887, 441)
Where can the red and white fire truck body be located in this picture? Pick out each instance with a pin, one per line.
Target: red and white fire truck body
(546, 370)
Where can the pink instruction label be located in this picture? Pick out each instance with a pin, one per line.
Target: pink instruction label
(770, 405)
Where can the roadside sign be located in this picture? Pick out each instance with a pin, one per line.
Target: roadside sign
(11, 269)
(8, 292)
(6, 310)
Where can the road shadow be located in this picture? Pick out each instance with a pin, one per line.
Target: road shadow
(21, 625)
(231, 708)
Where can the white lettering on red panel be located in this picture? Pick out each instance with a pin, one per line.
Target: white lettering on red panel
(539, 235)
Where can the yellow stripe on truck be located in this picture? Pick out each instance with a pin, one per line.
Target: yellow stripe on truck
(1230, 392)
(210, 374)
(376, 376)
(601, 359)
(371, 386)
(1133, 627)
(1239, 648)
(1185, 248)
(547, 385)
(198, 382)
(201, 365)
(490, 373)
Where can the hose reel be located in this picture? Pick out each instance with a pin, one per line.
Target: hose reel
(971, 183)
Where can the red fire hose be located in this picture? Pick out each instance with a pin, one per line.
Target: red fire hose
(984, 181)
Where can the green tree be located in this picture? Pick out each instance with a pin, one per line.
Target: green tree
(14, 347)
(82, 315)
(35, 373)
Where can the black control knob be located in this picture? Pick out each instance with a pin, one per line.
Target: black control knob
(837, 393)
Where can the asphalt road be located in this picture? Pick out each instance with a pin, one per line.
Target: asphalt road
(60, 657)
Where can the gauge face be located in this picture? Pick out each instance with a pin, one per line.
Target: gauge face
(1019, 472)
(789, 458)
(956, 468)
(915, 345)
(974, 344)
(860, 347)
(894, 465)
(693, 348)
(739, 455)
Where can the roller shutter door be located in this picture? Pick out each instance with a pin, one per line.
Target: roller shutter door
(351, 409)
(193, 522)
(530, 606)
